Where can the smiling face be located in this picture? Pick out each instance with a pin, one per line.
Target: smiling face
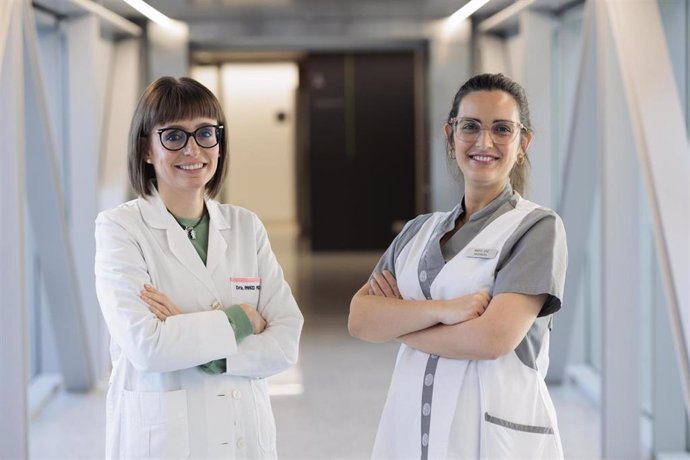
(486, 165)
(187, 170)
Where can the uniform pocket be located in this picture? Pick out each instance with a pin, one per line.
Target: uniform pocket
(156, 425)
(504, 439)
(265, 422)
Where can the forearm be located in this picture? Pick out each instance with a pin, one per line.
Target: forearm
(498, 331)
(468, 340)
(268, 353)
(380, 319)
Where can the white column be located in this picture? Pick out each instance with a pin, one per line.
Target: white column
(620, 258)
(121, 97)
(449, 67)
(87, 65)
(168, 50)
(46, 201)
(13, 327)
(660, 133)
(578, 190)
(669, 428)
(537, 30)
(121, 94)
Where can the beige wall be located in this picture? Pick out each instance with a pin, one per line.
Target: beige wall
(262, 149)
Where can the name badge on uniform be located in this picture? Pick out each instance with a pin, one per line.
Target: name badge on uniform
(482, 253)
(246, 283)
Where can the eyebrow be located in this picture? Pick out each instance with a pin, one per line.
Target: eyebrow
(180, 127)
(479, 121)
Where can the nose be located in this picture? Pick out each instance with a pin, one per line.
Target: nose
(484, 140)
(192, 148)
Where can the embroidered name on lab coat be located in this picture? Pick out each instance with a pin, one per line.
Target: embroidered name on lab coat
(482, 253)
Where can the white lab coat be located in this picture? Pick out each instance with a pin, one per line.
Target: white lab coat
(159, 403)
(478, 409)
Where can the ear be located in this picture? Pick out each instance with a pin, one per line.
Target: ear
(526, 141)
(448, 131)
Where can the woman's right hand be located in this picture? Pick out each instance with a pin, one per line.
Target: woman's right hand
(463, 308)
(258, 322)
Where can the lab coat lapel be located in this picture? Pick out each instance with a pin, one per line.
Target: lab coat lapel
(217, 229)
(157, 216)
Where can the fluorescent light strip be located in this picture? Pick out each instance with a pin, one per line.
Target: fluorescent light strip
(503, 15)
(467, 10)
(151, 13)
(113, 19)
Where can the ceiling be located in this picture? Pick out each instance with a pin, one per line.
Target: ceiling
(420, 10)
(303, 24)
(192, 10)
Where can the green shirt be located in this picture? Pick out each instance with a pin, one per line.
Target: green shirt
(238, 318)
(200, 243)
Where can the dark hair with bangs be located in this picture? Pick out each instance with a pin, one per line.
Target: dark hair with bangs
(165, 100)
(497, 82)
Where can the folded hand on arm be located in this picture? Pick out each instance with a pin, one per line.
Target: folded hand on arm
(378, 313)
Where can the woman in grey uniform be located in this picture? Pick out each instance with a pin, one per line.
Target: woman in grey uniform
(470, 294)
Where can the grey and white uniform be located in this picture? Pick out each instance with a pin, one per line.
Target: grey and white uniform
(448, 408)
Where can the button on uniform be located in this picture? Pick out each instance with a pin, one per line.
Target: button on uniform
(422, 276)
(236, 394)
(240, 443)
(216, 305)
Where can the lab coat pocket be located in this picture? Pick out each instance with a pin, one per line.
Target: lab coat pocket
(156, 425)
(504, 439)
(246, 289)
(265, 423)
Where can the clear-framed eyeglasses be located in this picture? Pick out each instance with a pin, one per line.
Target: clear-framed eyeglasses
(501, 132)
(175, 139)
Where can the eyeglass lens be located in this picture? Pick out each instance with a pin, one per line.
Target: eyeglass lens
(176, 139)
(501, 132)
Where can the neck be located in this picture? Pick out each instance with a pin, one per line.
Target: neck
(477, 198)
(185, 205)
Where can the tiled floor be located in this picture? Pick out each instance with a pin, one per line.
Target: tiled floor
(344, 380)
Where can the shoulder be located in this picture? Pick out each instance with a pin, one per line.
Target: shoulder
(237, 216)
(124, 214)
(539, 219)
(540, 234)
(412, 226)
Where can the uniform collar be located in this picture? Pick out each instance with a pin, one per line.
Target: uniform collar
(155, 213)
(506, 195)
(490, 208)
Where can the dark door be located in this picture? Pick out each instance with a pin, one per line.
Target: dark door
(361, 148)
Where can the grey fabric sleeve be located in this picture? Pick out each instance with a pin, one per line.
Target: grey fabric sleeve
(534, 259)
(387, 261)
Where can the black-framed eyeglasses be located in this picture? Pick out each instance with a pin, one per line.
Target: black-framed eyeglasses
(501, 132)
(175, 139)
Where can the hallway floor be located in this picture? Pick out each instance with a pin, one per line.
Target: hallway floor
(328, 406)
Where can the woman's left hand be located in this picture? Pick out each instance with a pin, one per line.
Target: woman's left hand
(384, 285)
(159, 303)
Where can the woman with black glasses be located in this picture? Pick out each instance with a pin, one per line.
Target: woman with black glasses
(196, 304)
(470, 295)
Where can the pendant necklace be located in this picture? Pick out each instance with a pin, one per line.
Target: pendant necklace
(190, 229)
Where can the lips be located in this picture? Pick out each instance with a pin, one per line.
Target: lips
(190, 166)
(484, 158)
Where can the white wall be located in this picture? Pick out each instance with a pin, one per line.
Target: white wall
(261, 149)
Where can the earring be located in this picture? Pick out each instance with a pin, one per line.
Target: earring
(451, 152)
(522, 156)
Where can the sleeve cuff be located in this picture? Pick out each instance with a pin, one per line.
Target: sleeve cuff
(239, 321)
(214, 367)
